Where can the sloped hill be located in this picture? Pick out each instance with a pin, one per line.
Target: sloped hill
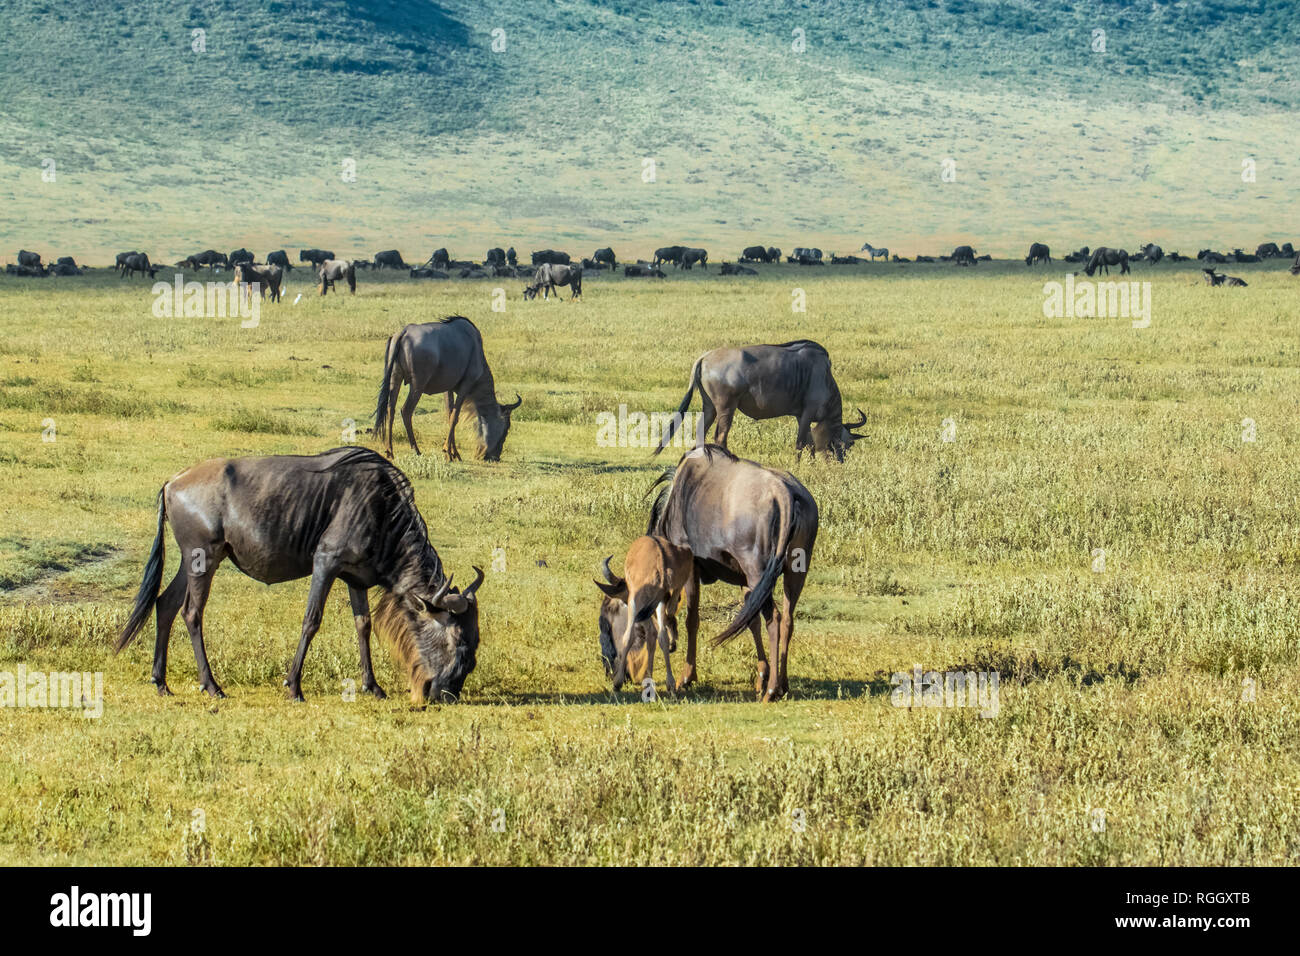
(542, 138)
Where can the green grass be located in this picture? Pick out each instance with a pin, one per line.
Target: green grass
(171, 151)
(1127, 691)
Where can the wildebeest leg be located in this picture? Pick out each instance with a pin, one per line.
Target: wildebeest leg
(708, 412)
(322, 579)
(803, 437)
(691, 593)
(196, 597)
(662, 615)
(724, 426)
(168, 606)
(408, 409)
(773, 619)
(453, 413)
(794, 581)
(760, 682)
(361, 616)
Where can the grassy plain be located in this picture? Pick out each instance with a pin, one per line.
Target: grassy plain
(1147, 711)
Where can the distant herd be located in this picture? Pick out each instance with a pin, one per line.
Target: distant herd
(551, 269)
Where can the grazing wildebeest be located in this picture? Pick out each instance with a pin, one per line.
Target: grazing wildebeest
(551, 257)
(671, 254)
(314, 256)
(1038, 252)
(1268, 250)
(549, 276)
(240, 255)
(438, 357)
(122, 257)
(343, 515)
(1151, 253)
(1214, 278)
(644, 271)
(606, 256)
(773, 254)
(279, 258)
(692, 256)
(754, 254)
(964, 256)
(267, 278)
(424, 272)
(881, 253)
(26, 258)
(331, 270)
(496, 256)
(209, 257)
(730, 269)
(746, 525)
(138, 262)
(806, 257)
(389, 259)
(1103, 258)
(441, 259)
(770, 381)
(654, 573)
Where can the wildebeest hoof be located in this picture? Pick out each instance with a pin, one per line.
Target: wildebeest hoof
(376, 690)
(163, 689)
(212, 690)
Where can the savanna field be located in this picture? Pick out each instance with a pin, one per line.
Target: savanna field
(1146, 712)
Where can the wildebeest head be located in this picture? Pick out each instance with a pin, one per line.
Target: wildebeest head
(435, 635)
(836, 437)
(493, 427)
(622, 661)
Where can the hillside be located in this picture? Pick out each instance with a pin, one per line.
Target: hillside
(170, 150)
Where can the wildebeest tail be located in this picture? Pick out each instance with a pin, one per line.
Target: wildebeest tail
(676, 421)
(781, 528)
(390, 356)
(153, 572)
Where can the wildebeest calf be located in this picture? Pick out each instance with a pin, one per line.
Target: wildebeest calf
(1214, 278)
(331, 270)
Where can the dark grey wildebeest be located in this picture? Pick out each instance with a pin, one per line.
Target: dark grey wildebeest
(605, 255)
(1150, 252)
(770, 381)
(331, 270)
(691, 256)
(1104, 257)
(552, 257)
(671, 254)
(1038, 252)
(754, 254)
(746, 525)
(963, 256)
(137, 262)
(548, 277)
(389, 259)
(265, 279)
(26, 258)
(314, 256)
(344, 515)
(279, 258)
(438, 357)
(122, 257)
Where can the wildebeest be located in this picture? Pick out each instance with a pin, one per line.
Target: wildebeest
(770, 381)
(512, 259)
(1103, 258)
(1178, 257)
(644, 271)
(754, 254)
(654, 573)
(1151, 252)
(731, 269)
(240, 255)
(32, 272)
(1079, 255)
(208, 257)
(549, 276)
(424, 272)
(343, 515)
(605, 255)
(1295, 266)
(1268, 250)
(279, 258)
(692, 256)
(964, 256)
(26, 258)
(66, 266)
(1209, 255)
(267, 278)
(137, 262)
(314, 256)
(881, 253)
(1214, 278)
(551, 257)
(440, 259)
(1240, 256)
(496, 256)
(773, 254)
(671, 254)
(331, 270)
(849, 260)
(804, 252)
(1287, 251)
(122, 257)
(1038, 252)
(438, 357)
(746, 525)
(389, 259)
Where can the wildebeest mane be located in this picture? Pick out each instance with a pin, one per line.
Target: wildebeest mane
(803, 344)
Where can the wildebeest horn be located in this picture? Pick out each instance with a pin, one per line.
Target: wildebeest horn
(441, 593)
(859, 423)
(478, 579)
(615, 586)
(518, 401)
(609, 575)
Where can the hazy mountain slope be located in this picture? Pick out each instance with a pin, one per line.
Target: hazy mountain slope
(160, 147)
